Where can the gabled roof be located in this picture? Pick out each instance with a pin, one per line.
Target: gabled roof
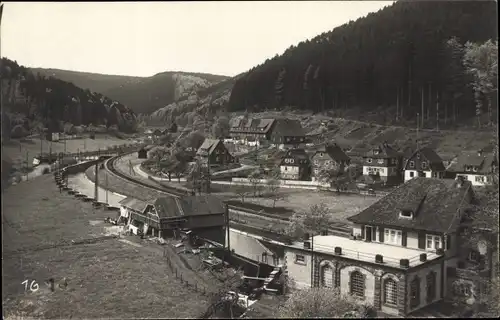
(208, 145)
(170, 207)
(288, 127)
(242, 124)
(384, 151)
(484, 162)
(434, 160)
(297, 154)
(335, 152)
(134, 204)
(435, 203)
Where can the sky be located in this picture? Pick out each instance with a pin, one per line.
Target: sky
(145, 38)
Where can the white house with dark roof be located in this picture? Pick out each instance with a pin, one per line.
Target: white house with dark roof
(475, 167)
(403, 253)
(423, 162)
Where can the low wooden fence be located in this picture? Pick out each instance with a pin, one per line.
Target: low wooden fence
(182, 278)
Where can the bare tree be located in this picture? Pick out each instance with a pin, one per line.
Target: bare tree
(317, 219)
(241, 191)
(254, 178)
(323, 303)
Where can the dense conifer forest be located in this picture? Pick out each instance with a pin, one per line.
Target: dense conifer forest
(411, 57)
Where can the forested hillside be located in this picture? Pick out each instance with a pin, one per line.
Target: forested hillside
(31, 100)
(405, 59)
(141, 94)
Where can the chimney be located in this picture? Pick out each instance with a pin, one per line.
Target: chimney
(307, 245)
(480, 153)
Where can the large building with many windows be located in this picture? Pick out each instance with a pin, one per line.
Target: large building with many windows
(404, 252)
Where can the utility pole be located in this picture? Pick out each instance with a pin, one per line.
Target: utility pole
(437, 111)
(397, 106)
(422, 123)
(417, 130)
(228, 232)
(312, 261)
(106, 175)
(27, 164)
(96, 193)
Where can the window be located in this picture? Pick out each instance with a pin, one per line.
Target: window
(327, 162)
(479, 178)
(321, 154)
(357, 284)
(415, 292)
(292, 160)
(473, 256)
(412, 164)
(390, 291)
(468, 168)
(431, 286)
(300, 259)
(433, 242)
(369, 160)
(375, 152)
(327, 276)
(316, 162)
(380, 161)
(424, 165)
(393, 236)
(286, 168)
(406, 214)
(463, 290)
(434, 174)
(412, 174)
(474, 169)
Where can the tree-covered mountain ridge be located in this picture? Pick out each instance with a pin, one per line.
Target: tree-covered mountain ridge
(408, 58)
(30, 99)
(141, 94)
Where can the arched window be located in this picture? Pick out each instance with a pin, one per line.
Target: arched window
(357, 284)
(390, 291)
(415, 292)
(431, 286)
(327, 276)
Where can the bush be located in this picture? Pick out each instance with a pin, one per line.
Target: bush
(18, 132)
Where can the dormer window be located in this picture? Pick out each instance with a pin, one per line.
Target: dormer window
(424, 165)
(321, 154)
(369, 160)
(376, 152)
(474, 169)
(412, 164)
(380, 161)
(406, 214)
(468, 168)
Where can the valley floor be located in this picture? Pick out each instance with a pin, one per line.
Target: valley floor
(108, 278)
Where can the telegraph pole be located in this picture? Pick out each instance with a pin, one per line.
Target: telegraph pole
(106, 175)
(96, 193)
(228, 232)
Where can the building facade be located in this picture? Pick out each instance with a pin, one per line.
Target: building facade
(214, 152)
(404, 252)
(288, 133)
(295, 165)
(332, 157)
(477, 168)
(385, 163)
(423, 162)
(244, 130)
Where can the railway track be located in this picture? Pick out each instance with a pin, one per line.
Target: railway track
(110, 166)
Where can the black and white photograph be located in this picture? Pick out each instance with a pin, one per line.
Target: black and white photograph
(249, 159)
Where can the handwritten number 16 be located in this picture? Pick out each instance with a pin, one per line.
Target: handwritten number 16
(33, 285)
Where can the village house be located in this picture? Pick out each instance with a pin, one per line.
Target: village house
(288, 133)
(244, 130)
(423, 162)
(383, 162)
(214, 152)
(295, 165)
(403, 253)
(332, 157)
(199, 216)
(475, 167)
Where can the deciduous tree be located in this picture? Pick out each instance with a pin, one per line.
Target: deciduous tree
(323, 303)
